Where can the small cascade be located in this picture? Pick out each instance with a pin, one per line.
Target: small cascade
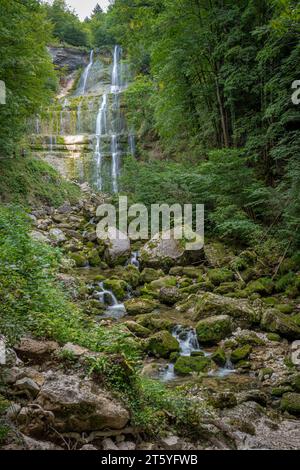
(87, 72)
(116, 73)
(189, 344)
(115, 309)
(134, 261)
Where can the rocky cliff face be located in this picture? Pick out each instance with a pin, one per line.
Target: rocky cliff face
(68, 57)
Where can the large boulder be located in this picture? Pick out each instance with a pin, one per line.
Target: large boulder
(169, 295)
(117, 245)
(140, 306)
(212, 330)
(34, 350)
(241, 310)
(80, 405)
(277, 322)
(291, 402)
(162, 344)
(164, 251)
(186, 365)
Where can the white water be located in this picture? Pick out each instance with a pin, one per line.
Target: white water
(115, 309)
(188, 343)
(115, 162)
(78, 119)
(134, 261)
(101, 129)
(116, 73)
(131, 141)
(87, 72)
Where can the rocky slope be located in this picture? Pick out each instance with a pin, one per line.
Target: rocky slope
(239, 314)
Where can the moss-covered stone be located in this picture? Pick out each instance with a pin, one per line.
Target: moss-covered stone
(249, 337)
(139, 306)
(138, 329)
(193, 272)
(210, 304)
(262, 286)
(273, 337)
(130, 274)
(241, 353)
(279, 391)
(285, 308)
(274, 321)
(219, 357)
(214, 329)
(169, 295)
(80, 259)
(162, 344)
(205, 286)
(291, 402)
(216, 254)
(166, 281)
(117, 286)
(186, 365)
(93, 258)
(155, 322)
(227, 288)
(219, 275)
(284, 282)
(149, 274)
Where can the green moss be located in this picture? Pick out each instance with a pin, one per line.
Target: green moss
(79, 258)
(285, 282)
(213, 329)
(162, 344)
(291, 402)
(138, 329)
(241, 353)
(186, 365)
(285, 308)
(140, 306)
(93, 258)
(273, 337)
(24, 180)
(149, 274)
(117, 286)
(219, 357)
(219, 275)
(227, 288)
(263, 286)
(279, 391)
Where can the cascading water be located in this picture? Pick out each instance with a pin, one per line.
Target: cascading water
(101, 129)
(131, 142)
(115, 309)
(188, 343)
(134, 261)
(87, 72)
(116, 75)
(115, 162)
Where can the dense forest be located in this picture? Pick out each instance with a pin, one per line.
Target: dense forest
(214, 100)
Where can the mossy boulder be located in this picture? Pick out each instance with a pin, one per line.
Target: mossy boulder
(169, 295)
(192, 272)
(140, 306)
(219, 275)
(164, 251)
(241, 310)
(155, 323)
(227, 288)
(130, 274)
(241, 353)
(186, 365)
(149, 274)
(216, 254)
(80, 259)
(205, 286)
(291, 402)
(285, 308)
(262, 286)
(162, 344)
(219, 357)
(138, 329)
(117, 249)
(274, 321)
(93, 258)
(117, 286)
(213, 329)
(166, 281)
(249, 337)
(274, 337)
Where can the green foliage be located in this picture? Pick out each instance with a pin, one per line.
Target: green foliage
(25, 67)
(27, 180)
(67, 27)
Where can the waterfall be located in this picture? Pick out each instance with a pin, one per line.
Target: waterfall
(115, 162)
(115, 309)
(79, 117)
(134, 259)
(87, 72)
(101, 129)
(116, 75)
(131, 141)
